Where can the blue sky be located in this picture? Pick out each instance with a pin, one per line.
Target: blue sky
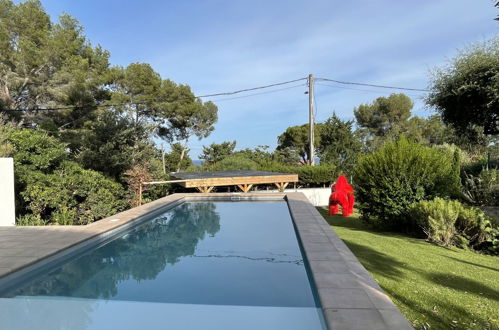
(218, 46)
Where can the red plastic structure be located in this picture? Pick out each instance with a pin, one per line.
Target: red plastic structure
(342, 195)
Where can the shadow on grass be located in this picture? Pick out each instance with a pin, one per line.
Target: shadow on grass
(352, 222)
(463, 284)
(377, 262)
(473, 264)
(435, 316)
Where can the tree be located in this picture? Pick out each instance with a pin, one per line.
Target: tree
(339, 145)
(173, 163)
(385, 117)
(45, 65)
(193, 119)
(466, 92)
(215, 152)
(297, 138)
(112, 144)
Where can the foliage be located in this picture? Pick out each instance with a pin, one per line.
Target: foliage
(448, 222)
(215, 152)
(233, 163)
(478, 229)
(389, 180)
(30, 219)
(385, 117)
(50, 188)
(112, 144)
(135, 177)
(173, 161)
(482, 189)
(310, 176)
(466, 92)
(434, 287)
(48, 64)
(297, 139)
(6, 148)
(437, 219)
(339, 145)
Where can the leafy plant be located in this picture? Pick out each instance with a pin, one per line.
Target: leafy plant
(437, 219)
(400, 173)
(448, 222)
(482, 189)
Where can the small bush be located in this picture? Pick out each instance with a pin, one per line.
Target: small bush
(30, 220)
(400, 173)
(448, 222)
(482, 189)
(437, 219)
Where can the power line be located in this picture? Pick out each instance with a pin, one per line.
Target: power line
(252, 89)
(254, 94)
(358, 89)
(372, 85)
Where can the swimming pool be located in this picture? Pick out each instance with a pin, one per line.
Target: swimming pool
(199, 265)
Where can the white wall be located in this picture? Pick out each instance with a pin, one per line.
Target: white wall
(316, 196)
(7, 202)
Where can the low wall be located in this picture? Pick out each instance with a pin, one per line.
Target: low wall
(316, 196)
(7, 199)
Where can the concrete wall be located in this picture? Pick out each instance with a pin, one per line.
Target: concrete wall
(316, 196)
(7, 202)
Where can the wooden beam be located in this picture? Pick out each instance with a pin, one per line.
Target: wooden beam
(234, 181)
(281, 185)
(205, 189)
(245, 187)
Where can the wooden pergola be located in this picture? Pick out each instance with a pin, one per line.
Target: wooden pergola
(206, 181)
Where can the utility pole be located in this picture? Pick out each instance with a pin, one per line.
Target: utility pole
(311, 118)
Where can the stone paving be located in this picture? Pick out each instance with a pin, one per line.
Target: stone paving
(350, 297)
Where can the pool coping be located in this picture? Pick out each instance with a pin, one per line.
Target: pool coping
(350, 297)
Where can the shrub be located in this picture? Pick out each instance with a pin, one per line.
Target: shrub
(308, 175)
(400, 173)
(51, 189)
(30, 220)
(482, 189)
(448, 222)
(72, 195)
(437, 219)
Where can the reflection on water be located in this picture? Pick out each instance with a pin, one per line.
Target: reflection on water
(233, 264)
(139, 255)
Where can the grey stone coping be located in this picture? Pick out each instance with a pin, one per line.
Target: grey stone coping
(350, 297)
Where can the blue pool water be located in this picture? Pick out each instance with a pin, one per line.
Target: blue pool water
(200, 265)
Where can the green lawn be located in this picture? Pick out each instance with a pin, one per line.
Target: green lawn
(435, 287)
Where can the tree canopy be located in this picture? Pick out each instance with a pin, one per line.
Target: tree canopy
(466, 92)
(215, 152)
(297, 138)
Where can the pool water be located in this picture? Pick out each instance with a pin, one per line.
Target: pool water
(199, 265)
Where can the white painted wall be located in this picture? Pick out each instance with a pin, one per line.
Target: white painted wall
(7, 202)
(316, 196)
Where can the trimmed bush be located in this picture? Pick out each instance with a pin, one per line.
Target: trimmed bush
(311, 176)
(400, 173)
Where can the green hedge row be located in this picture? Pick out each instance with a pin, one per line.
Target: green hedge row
(310, 176)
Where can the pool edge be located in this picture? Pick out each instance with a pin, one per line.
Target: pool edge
(350, 297)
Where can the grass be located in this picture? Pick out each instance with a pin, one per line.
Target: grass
(435, 287)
